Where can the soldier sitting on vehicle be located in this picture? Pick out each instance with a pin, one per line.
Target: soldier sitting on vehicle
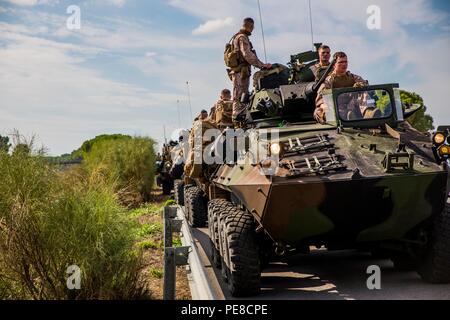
(222, 110)
(339, 78)
(324, 61)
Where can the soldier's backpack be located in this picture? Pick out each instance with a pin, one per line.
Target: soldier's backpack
(232, 55)
(224, 111)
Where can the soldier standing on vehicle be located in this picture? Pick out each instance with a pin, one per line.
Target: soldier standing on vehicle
(239, 57)
(324, 61)
(339, 78)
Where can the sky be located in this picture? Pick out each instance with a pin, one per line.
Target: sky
(124, 69)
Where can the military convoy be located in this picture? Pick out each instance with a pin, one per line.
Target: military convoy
(170, 165)
(364, 179)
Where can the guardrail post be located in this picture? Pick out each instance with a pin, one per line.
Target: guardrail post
(172, 256)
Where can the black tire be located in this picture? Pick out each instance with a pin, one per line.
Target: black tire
(196, 207)
(242, 258)
(404, 262)
(435, 267)
(178, 188)
(177, 171)
(215, 207)
(167, 186)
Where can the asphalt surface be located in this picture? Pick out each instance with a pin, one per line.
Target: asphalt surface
(322, 275)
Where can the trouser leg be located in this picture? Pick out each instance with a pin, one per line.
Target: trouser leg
(240, 86)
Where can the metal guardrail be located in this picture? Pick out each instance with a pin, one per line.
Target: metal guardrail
(188, 254)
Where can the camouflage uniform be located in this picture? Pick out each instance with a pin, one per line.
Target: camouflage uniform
(318, 70)
(337, 81)
(241, 79)
(221, 113)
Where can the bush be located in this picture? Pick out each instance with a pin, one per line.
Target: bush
(50, 220)
(128, 164)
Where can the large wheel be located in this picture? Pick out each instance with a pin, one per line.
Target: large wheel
(215, 208)
(187, 196)
(196, 207)
(404, 262)
(241, 253)
(167, 186)
(435, 267)
(178, 187)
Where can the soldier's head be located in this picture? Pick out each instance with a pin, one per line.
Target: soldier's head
(225, 94)
(248, 24)
(203, 115)
(324, 54)
(341, 62)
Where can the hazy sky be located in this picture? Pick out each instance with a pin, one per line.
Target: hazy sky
(125, 68)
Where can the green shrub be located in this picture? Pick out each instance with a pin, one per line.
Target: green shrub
(156, 273)
(149, 244)
(128, 164)
(170, 202)
(50, 220)
(149, 229)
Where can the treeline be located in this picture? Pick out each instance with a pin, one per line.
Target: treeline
(51, 219)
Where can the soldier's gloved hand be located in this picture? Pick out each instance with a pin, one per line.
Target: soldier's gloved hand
(319, 115)
(359, 85)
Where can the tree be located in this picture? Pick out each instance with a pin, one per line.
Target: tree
(420, 120)
(4, 144)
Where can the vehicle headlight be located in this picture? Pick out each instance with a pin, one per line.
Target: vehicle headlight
(275, 149)
(439, 138)
(444, 150)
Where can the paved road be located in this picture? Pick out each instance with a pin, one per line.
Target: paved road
(323, 275)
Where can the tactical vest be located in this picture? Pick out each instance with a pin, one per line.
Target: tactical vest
(318, 70)
(344, 81)
(232, 55)
(224, 111)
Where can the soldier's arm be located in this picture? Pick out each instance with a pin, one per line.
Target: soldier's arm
(212, 113)
(247, 53)
(325, 85)
(359, 81)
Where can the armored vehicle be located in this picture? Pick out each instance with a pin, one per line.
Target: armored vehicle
(364, 179)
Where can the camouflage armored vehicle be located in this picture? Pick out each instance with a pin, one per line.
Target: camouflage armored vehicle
(361, 180)
(163, 168)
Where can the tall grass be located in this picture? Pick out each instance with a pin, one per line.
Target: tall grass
(128, 164)
(50, 220)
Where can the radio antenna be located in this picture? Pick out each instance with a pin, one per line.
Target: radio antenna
(189, 99)
(311, 23)
(262, 31)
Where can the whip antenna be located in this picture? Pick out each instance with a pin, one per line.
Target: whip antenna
(311, 23)
(262, 31)
(189, 99)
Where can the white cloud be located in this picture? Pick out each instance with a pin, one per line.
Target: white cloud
(30, 3)
(117, 3)
(212, 26)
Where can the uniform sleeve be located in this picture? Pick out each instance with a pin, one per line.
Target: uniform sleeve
(359, 81)
(212, 112)
(249, 56)
(324, 86)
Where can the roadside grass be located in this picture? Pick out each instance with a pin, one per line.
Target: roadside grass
(51, 220)
(128, 164)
